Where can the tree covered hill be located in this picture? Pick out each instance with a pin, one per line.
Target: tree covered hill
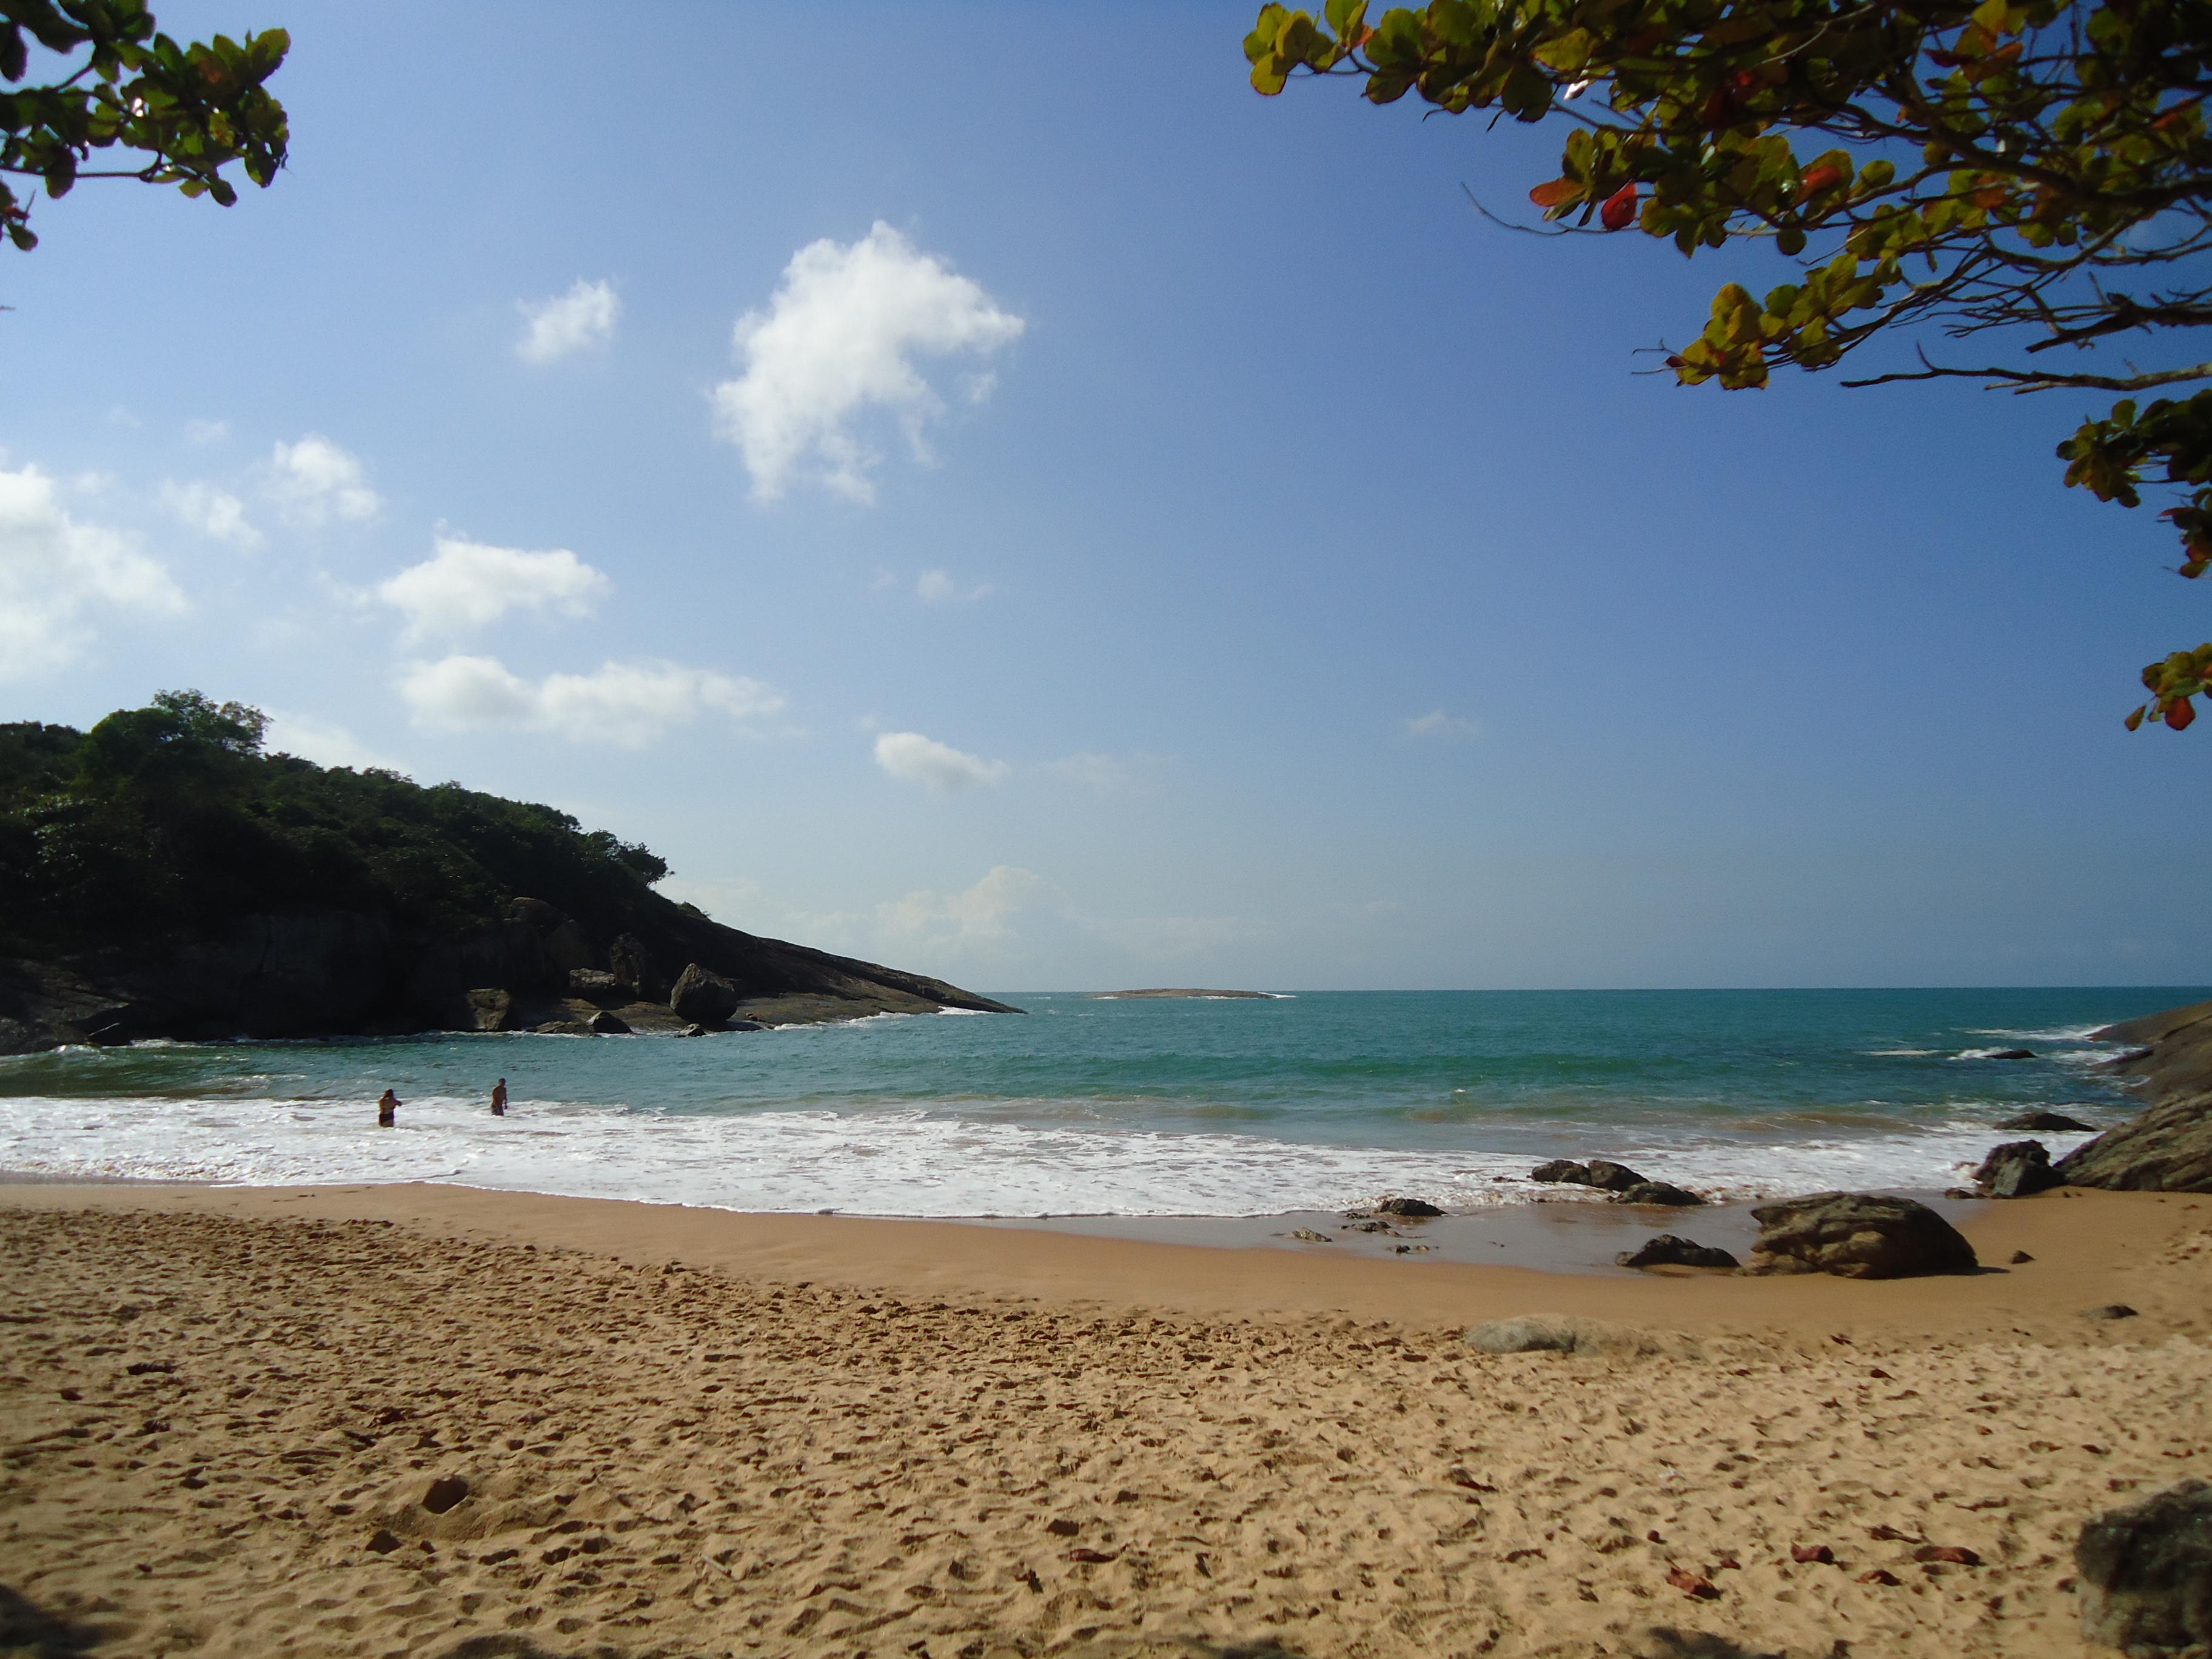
(163, 874)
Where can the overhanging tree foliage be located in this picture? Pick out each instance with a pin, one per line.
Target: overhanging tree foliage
(181, 113)
(2030, 179)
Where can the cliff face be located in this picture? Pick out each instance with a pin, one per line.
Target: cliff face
(335, 973)
(2169, 1147)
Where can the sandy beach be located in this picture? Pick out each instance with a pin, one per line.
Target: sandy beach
(431, 1420)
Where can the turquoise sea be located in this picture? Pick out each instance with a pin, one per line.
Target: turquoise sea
(1082, 1106)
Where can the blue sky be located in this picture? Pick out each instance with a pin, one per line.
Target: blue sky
(1294, 582)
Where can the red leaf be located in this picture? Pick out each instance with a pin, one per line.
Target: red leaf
(1879, 1576)
(1691, 1583)
(1809, 1552)
(1827, 176)
(2180, 713)
(1619, 210)
(1558, 193)
(1957, 1554)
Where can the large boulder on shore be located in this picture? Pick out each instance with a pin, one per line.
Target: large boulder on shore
(2145, 1574)
(2015, 1170)
(1857, 1236)
(702, 997)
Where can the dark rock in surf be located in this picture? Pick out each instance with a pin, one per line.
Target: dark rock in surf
(2047, 1121)
(2016, 1170)
(702, 997)
(1857, 1236)
(1669, 1250)
(1415, 1208)
(1657, 1192)
(565, 1028)
(1562, 1168)
(2009, 1054)
(607, 1024)
(2145, 1574)
(1615, 1177)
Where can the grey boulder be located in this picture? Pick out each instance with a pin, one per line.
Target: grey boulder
(1562, 1168)
(2145, 1574)
(1414, 1207)
(1671, 1250)
(702, 997)
(1657, 1192)
(1857, 1236)
(2047, 1121)
(2015, 1170)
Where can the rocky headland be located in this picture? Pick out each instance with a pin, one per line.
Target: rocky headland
(2169, 1147)
(161, 877)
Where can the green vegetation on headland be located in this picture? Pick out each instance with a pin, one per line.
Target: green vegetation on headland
(160, 875)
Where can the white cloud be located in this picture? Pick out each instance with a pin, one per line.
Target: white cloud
(837, 339)
(917, 759)
(53, 570)
(214, 513)
(203, 432)
(466, 585)
(627, 703)
(585, 316)
(977, 916)
(314, 481)
(322, 742)
(937, 588)
(1438, 724)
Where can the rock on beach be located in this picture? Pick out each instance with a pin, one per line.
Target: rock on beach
(1857, 1236)
(2145, 1574)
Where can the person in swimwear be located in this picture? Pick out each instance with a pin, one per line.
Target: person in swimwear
(499, 1098)
(386, 1105)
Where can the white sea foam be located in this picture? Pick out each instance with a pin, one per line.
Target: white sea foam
(2059, 1033)
(912, 1163)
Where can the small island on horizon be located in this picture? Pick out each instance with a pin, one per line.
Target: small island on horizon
(1185, 991)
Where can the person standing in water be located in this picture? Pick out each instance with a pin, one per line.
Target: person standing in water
(386, 1105)
(499, 1098)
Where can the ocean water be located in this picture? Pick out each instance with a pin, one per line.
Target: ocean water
(1087, 1107)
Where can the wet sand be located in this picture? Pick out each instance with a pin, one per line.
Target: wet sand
(679, 1431)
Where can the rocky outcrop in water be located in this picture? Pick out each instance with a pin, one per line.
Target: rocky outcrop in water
(2168, 1148)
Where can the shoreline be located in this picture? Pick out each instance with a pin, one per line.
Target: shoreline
(342, 1423)
(2090, 1249)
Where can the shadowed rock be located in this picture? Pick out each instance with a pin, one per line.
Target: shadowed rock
(1671, 1250)
(2047, 1121)
(1658, 1192)
(2015, 1170)
(2168, 1148)
(2145, 1574)
(1415, 1207)
(1615, 1177)
(702, 997)
(1562, 1168)
(1857, 1236)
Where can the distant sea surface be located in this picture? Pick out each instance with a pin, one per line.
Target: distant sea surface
(1312, 1102)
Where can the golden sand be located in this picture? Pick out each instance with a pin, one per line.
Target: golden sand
(682, 1432)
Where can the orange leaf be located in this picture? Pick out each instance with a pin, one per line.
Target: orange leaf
(1557, 193)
